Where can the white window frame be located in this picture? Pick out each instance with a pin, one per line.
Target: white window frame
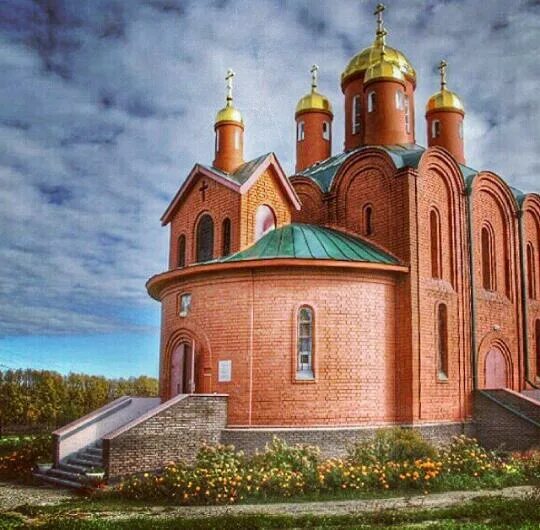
(304, 358)
(400, 100)
(326, 130)
(435, 128)
(237, 139)
(356, 113)
(184, 304)
(406, 102)
(217, 141)
(371, 101)
(460, 130)
(300, 131)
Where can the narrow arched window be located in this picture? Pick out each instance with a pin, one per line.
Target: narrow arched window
(487, 260)
(371, 100)
(537, 333)
(205, 239)
(400, 100)
(531, 272)
(460, 130)
(368, 220)
(356, 113)
(217, 141)
(300, 133)
(435, 235)
(442, 338)
(407, 114)
(326, 130)
(435, 128)
(226, 237)
(265, 220)
(304, 354)
(181, 254)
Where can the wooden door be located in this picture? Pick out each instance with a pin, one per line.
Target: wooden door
(496, 373)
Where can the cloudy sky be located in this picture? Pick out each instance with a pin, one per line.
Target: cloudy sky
(105, 105)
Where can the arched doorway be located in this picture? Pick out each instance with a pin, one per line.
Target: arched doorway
(183, 369)
(496, 372)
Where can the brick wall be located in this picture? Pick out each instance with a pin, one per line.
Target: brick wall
(173, 431)
(333, 442)
(497, 427)
(249, 317)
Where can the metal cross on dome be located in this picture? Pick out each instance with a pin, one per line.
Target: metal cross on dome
(442, 69)
(314, 77)
(229, 79)
(379, 10)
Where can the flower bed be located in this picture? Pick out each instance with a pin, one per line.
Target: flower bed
(26, 452)
(394, 460)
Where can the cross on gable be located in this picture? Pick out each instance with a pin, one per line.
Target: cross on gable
(203, 189)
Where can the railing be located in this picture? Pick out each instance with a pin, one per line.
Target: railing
(92, 427)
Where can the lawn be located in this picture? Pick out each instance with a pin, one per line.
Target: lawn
(483, 512)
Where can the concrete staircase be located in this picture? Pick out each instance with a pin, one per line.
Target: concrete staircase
(70, 472)
(507, 419)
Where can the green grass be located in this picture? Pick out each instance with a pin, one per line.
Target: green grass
(484, 512)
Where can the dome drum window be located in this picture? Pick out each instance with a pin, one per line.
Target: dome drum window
(300, 131)
(304, 352)
(356, 113)
(326, 130)
(371, 100)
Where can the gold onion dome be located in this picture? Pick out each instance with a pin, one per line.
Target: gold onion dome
(383, 69)
(370, 56)
(444, 99)
(229, 112)
(314, 100)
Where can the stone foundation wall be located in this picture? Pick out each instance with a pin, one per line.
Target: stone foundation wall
(333, 441)
(173, 431)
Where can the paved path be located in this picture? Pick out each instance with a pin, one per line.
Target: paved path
(13, 495)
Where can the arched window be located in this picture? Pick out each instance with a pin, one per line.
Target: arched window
(488, 269)
(368, 220)
(442, 338)
(326, 130)
(181, 254)
(226, 237)
(400, 100)
(460, 130)
(217, 141)
(237, 139)
(304, 354)
(531, 272)
(435, 235)
(205, 238)
(537, 333)
(356, 113)
(300, 134)
(371, 100)
(435, 128)
(407, 114)
(265, 220)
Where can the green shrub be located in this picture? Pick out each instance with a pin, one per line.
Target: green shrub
(392, 445)
(21, 462)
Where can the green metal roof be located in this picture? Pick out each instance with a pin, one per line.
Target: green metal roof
(242, 173)
(303, 241)
(403, 155)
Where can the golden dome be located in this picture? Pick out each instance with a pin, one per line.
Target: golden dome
(444, 99)
(229, 113)
(384, 69)
(371, 55)
(314, 101)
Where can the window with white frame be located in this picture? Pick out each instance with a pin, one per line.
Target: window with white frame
(371, 101)
(407, 114)
(435, 128)
(460, 130)
(300, 134)
(185, 304)
(304, 354)
(217, 141)
(400, 100)
(237, 139)
(326, 130)
(356, 113)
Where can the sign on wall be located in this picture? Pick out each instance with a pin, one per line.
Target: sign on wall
(224, 371)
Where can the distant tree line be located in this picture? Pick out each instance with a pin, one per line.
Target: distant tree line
(36, 400)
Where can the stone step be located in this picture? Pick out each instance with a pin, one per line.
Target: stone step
(66, 475)
(99, 444)
(57, 481)
(84, 462)
(65, 466)
(98, 460)
(95, 451)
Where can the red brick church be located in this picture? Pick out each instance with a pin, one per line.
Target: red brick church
(389, 284)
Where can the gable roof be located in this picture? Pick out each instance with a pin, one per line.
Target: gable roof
(403, 155)
(239, 180)
(304, 241)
